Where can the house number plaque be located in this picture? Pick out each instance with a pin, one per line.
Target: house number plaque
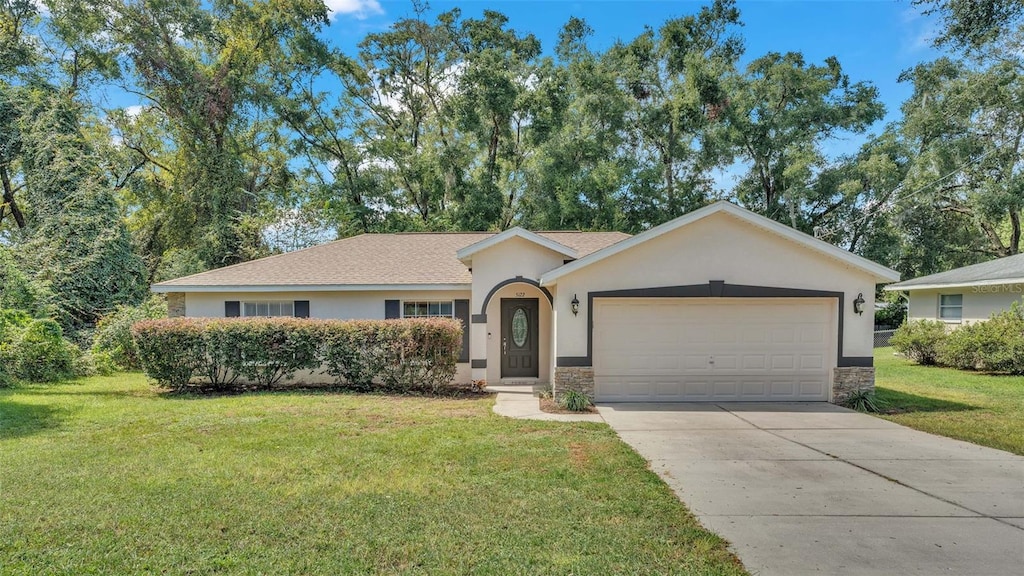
(520, 294)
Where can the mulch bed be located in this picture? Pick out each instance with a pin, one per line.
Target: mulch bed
(551, 407)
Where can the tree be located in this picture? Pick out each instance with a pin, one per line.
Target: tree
(215, 148)
(675, 77)
(578, 171)
(77, 241)
(969, 24)
(781, 111)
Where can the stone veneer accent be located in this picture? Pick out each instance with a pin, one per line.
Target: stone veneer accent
(849, 379)
(175, 304)
(576, 378)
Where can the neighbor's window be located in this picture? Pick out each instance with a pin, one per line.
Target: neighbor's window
(427, 309)
(269, 308)
(951, 306)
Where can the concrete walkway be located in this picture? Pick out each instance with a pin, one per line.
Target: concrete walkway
(519, 402)
(816, 489)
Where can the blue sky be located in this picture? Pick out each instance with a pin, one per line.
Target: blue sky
(874, 40)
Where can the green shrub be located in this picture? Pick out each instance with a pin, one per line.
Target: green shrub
(421, 352)
(40, 353)
(920, 340)
(95, 364)
(264, 351)
(349, 352)
(113, 334)
(995, 345)
(575, 401)
(398, 354)
(172, 351)
(961, 348)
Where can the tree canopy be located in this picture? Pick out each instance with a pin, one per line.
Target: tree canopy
(253, 134)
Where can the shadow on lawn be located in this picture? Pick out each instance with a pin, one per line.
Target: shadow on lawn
(903, 403)
(17, 420)
(203, 392)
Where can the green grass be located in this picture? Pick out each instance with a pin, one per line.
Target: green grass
(109, 476)
(984, 409)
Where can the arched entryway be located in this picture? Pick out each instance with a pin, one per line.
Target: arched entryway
(519, 342)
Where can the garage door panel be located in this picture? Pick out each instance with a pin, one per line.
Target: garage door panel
(712, 349)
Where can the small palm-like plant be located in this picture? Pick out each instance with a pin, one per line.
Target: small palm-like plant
(575, 401)
(864, 401)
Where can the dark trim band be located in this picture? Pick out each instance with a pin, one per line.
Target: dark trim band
(572, 361)
(503, 283)
(478, 363)
(856, 361)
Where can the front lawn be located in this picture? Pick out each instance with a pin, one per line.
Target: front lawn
(107, 475)
(980, 408)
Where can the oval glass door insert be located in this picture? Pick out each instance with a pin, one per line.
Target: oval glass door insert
(520, 327)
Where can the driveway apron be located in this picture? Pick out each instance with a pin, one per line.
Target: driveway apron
(812, 488)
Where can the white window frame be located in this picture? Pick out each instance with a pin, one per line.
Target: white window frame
(451, 303)
(267, 303)
(943, 308)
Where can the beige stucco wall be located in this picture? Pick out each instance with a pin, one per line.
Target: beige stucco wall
(719, 247)
(327, 305)
(514, 257)
(980, 302)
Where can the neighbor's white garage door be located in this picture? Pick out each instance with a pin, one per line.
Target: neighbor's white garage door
(702, 349)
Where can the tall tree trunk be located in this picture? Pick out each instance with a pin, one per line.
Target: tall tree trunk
(1014, 247)
(9, 201)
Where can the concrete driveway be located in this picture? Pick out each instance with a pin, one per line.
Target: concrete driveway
(813, 488)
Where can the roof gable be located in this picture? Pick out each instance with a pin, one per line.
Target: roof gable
(880, 272)
(465, 255)
(1006, 270)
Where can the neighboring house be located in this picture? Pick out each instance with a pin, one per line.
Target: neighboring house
(719, 304)
(967, 294)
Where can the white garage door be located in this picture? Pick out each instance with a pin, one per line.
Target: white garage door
(709, 349)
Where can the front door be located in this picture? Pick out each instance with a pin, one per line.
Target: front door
(519, 347)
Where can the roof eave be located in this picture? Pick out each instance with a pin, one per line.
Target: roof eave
(942, 285)
(166, 289)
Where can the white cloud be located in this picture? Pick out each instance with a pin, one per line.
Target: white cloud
(919, 30)
(360, 9)
(133, 111)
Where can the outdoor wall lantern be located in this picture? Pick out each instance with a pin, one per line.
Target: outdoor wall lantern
(858, 303)
(575, 305)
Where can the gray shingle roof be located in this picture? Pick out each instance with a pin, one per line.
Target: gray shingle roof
(373, 259)
(1008, 269)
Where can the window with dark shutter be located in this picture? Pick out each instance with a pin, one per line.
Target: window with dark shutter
(232, 309)
(302, 308)
(392, 309)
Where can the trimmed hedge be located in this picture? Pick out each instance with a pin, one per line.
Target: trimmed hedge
(230, 353)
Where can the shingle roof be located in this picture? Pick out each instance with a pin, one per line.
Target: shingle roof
(372, 259)
(1009, 269)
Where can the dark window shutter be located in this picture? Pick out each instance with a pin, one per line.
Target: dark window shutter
(462, 315)
(302, 308)
(232, 309)
(392, 309)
